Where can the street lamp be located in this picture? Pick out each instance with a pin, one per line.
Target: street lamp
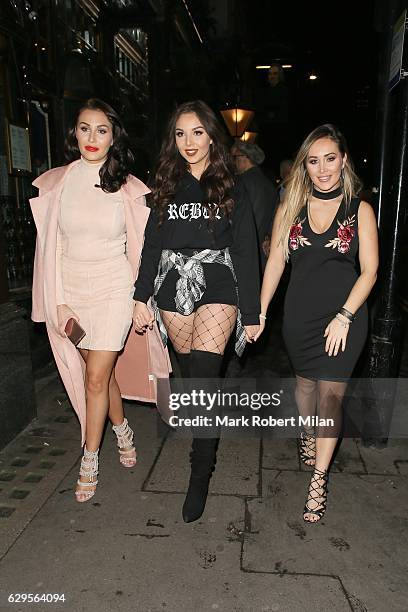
(236, 120)
(249, 136)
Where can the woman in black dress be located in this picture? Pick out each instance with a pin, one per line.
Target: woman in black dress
(330, 237)
(199, 263)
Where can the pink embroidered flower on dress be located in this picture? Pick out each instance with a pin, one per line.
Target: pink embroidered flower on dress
(345, 234)
(344, 247)
(295, 235)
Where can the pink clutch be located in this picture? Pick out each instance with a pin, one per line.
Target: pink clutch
(74, 331)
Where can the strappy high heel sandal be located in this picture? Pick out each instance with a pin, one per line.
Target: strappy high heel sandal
(127, 451)
(85, 489)
(317, 496)
(307, 448)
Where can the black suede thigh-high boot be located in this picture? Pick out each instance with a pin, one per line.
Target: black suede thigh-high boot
(183, 360)
(203, 364)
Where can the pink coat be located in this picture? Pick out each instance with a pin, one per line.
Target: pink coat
(144, 359)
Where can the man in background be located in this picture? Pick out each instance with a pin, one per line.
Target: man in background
(261, 191)
(273, 114)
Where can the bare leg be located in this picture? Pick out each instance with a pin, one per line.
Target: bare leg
(99, 367)
(120, 425)
(116, 414)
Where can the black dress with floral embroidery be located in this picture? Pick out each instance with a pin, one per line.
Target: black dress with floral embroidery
(324, 270)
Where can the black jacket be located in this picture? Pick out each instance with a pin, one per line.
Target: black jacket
(186, 226)
(264, 199)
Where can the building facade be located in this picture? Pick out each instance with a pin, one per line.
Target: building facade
(54, 54)
(139, 56)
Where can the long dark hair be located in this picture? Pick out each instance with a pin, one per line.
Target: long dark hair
(118, 164)
(217, 179)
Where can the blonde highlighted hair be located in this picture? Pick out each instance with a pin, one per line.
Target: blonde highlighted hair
(299, 185)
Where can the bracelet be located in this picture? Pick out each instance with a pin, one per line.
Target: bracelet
(261, 316)
(343, 323)
(346, 313)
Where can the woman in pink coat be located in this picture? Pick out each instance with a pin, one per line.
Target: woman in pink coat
(90, 217)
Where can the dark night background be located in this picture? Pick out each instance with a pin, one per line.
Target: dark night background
(339, 43)
(145, 57)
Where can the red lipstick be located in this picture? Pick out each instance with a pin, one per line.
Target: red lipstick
(91, 149)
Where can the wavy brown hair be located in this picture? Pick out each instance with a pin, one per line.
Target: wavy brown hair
(299, 184)
(217, 179)
(120, 159)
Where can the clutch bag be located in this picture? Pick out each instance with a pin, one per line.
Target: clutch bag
(74, 331)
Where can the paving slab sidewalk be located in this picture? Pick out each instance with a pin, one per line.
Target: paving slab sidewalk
(129, 550)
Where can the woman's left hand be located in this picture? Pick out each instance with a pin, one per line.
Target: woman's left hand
(336, 336)
(143, 318)
(250, 332)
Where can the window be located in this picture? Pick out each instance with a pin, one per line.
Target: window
(131, 58)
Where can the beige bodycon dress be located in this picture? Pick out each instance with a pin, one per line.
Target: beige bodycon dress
(94, 277)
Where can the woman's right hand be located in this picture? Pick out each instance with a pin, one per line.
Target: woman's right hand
(64, 313)
(143, 318)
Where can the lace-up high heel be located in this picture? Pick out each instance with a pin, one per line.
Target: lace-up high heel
(85, 489)
(307, 448)
(317, 498)
(127, 451)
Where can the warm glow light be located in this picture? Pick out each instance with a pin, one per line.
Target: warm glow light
(262, 67)
(239, 115)
(249, 136)
(312, 77)
(287, 66)
(236, 120)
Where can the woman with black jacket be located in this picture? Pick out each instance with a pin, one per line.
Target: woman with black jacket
(199, 264)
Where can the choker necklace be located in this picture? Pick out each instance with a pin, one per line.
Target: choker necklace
(327, 195)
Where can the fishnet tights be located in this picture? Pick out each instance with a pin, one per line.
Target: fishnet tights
(179, 329)
(207, 329)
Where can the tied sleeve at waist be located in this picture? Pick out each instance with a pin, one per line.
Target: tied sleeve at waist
(191, 285)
